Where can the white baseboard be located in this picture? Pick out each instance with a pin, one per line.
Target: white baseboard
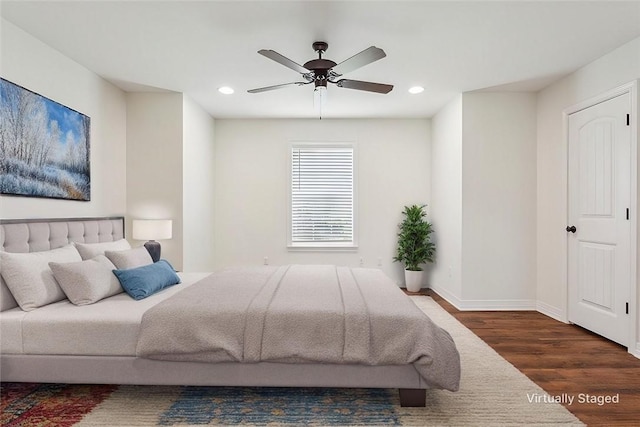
(499, 305)
(551, 311)
(635, 352)
(485, 305)
(451, 299)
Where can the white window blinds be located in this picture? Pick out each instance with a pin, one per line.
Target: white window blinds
(322, 195)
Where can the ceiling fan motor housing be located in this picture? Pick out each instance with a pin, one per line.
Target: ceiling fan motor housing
(320, 66)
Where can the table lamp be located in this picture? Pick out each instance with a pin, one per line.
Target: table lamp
(152, 230)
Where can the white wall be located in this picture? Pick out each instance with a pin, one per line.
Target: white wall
(251, 178)
(499, 200)
(154, 165)
(198, 179)
(484, 200)
(30, 63)
(446, 200)
(614, 69)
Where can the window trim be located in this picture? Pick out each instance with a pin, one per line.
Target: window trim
(322, 246)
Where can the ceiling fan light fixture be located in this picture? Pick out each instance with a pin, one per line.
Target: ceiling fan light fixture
(416, 89)
(226, 90)
(320, 98)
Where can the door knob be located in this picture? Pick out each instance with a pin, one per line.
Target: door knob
(571, 229)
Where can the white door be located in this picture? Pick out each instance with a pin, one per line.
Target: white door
(599, 198)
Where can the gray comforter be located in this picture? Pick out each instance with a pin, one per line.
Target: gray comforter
(298, 314)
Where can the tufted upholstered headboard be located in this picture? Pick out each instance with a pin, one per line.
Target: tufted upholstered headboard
(36, 235)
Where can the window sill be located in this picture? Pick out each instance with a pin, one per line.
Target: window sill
(321, 248)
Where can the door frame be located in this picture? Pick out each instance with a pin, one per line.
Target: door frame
(632, 89)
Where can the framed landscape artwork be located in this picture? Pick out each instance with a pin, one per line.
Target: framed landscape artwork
(44, 146)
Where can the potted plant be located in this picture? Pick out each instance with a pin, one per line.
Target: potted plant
(414, 245)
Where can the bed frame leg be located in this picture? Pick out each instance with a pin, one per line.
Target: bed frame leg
(413, 397)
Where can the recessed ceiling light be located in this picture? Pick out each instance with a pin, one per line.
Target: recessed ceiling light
(226, 90)
(416, 89)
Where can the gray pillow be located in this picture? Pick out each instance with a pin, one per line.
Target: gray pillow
(88, 281)
(30, 279)
(7, 301)
(92, 250)
(136, 257)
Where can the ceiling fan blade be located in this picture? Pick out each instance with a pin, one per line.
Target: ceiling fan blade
(358, 60)
(267, 88)
(368, 86)
(275, 56)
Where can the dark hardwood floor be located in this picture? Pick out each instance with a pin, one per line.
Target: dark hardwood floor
(561, 358)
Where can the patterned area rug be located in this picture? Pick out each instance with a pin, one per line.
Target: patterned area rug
(492, 393)
(66, 405)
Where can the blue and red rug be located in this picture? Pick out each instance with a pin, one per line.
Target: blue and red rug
(67, 405)
(25, 404)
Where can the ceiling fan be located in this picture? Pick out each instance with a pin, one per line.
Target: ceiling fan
(321, 71)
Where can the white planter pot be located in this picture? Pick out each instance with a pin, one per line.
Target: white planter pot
(413, 280)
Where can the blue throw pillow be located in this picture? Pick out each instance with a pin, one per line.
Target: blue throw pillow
(144, 281)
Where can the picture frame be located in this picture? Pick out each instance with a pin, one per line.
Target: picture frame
(44, 146)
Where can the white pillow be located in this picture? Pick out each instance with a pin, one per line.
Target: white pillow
(92, 250)
(86, 282)
(30, 279)
(136, 257)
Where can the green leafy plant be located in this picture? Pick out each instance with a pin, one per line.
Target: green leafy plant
(414, 244)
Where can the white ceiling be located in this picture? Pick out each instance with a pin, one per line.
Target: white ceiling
(447, 47)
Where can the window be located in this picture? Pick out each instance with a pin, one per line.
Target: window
(322, 196)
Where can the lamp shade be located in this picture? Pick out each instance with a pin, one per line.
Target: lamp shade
(152, 229)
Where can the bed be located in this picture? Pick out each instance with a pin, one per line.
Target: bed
(116, 340)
